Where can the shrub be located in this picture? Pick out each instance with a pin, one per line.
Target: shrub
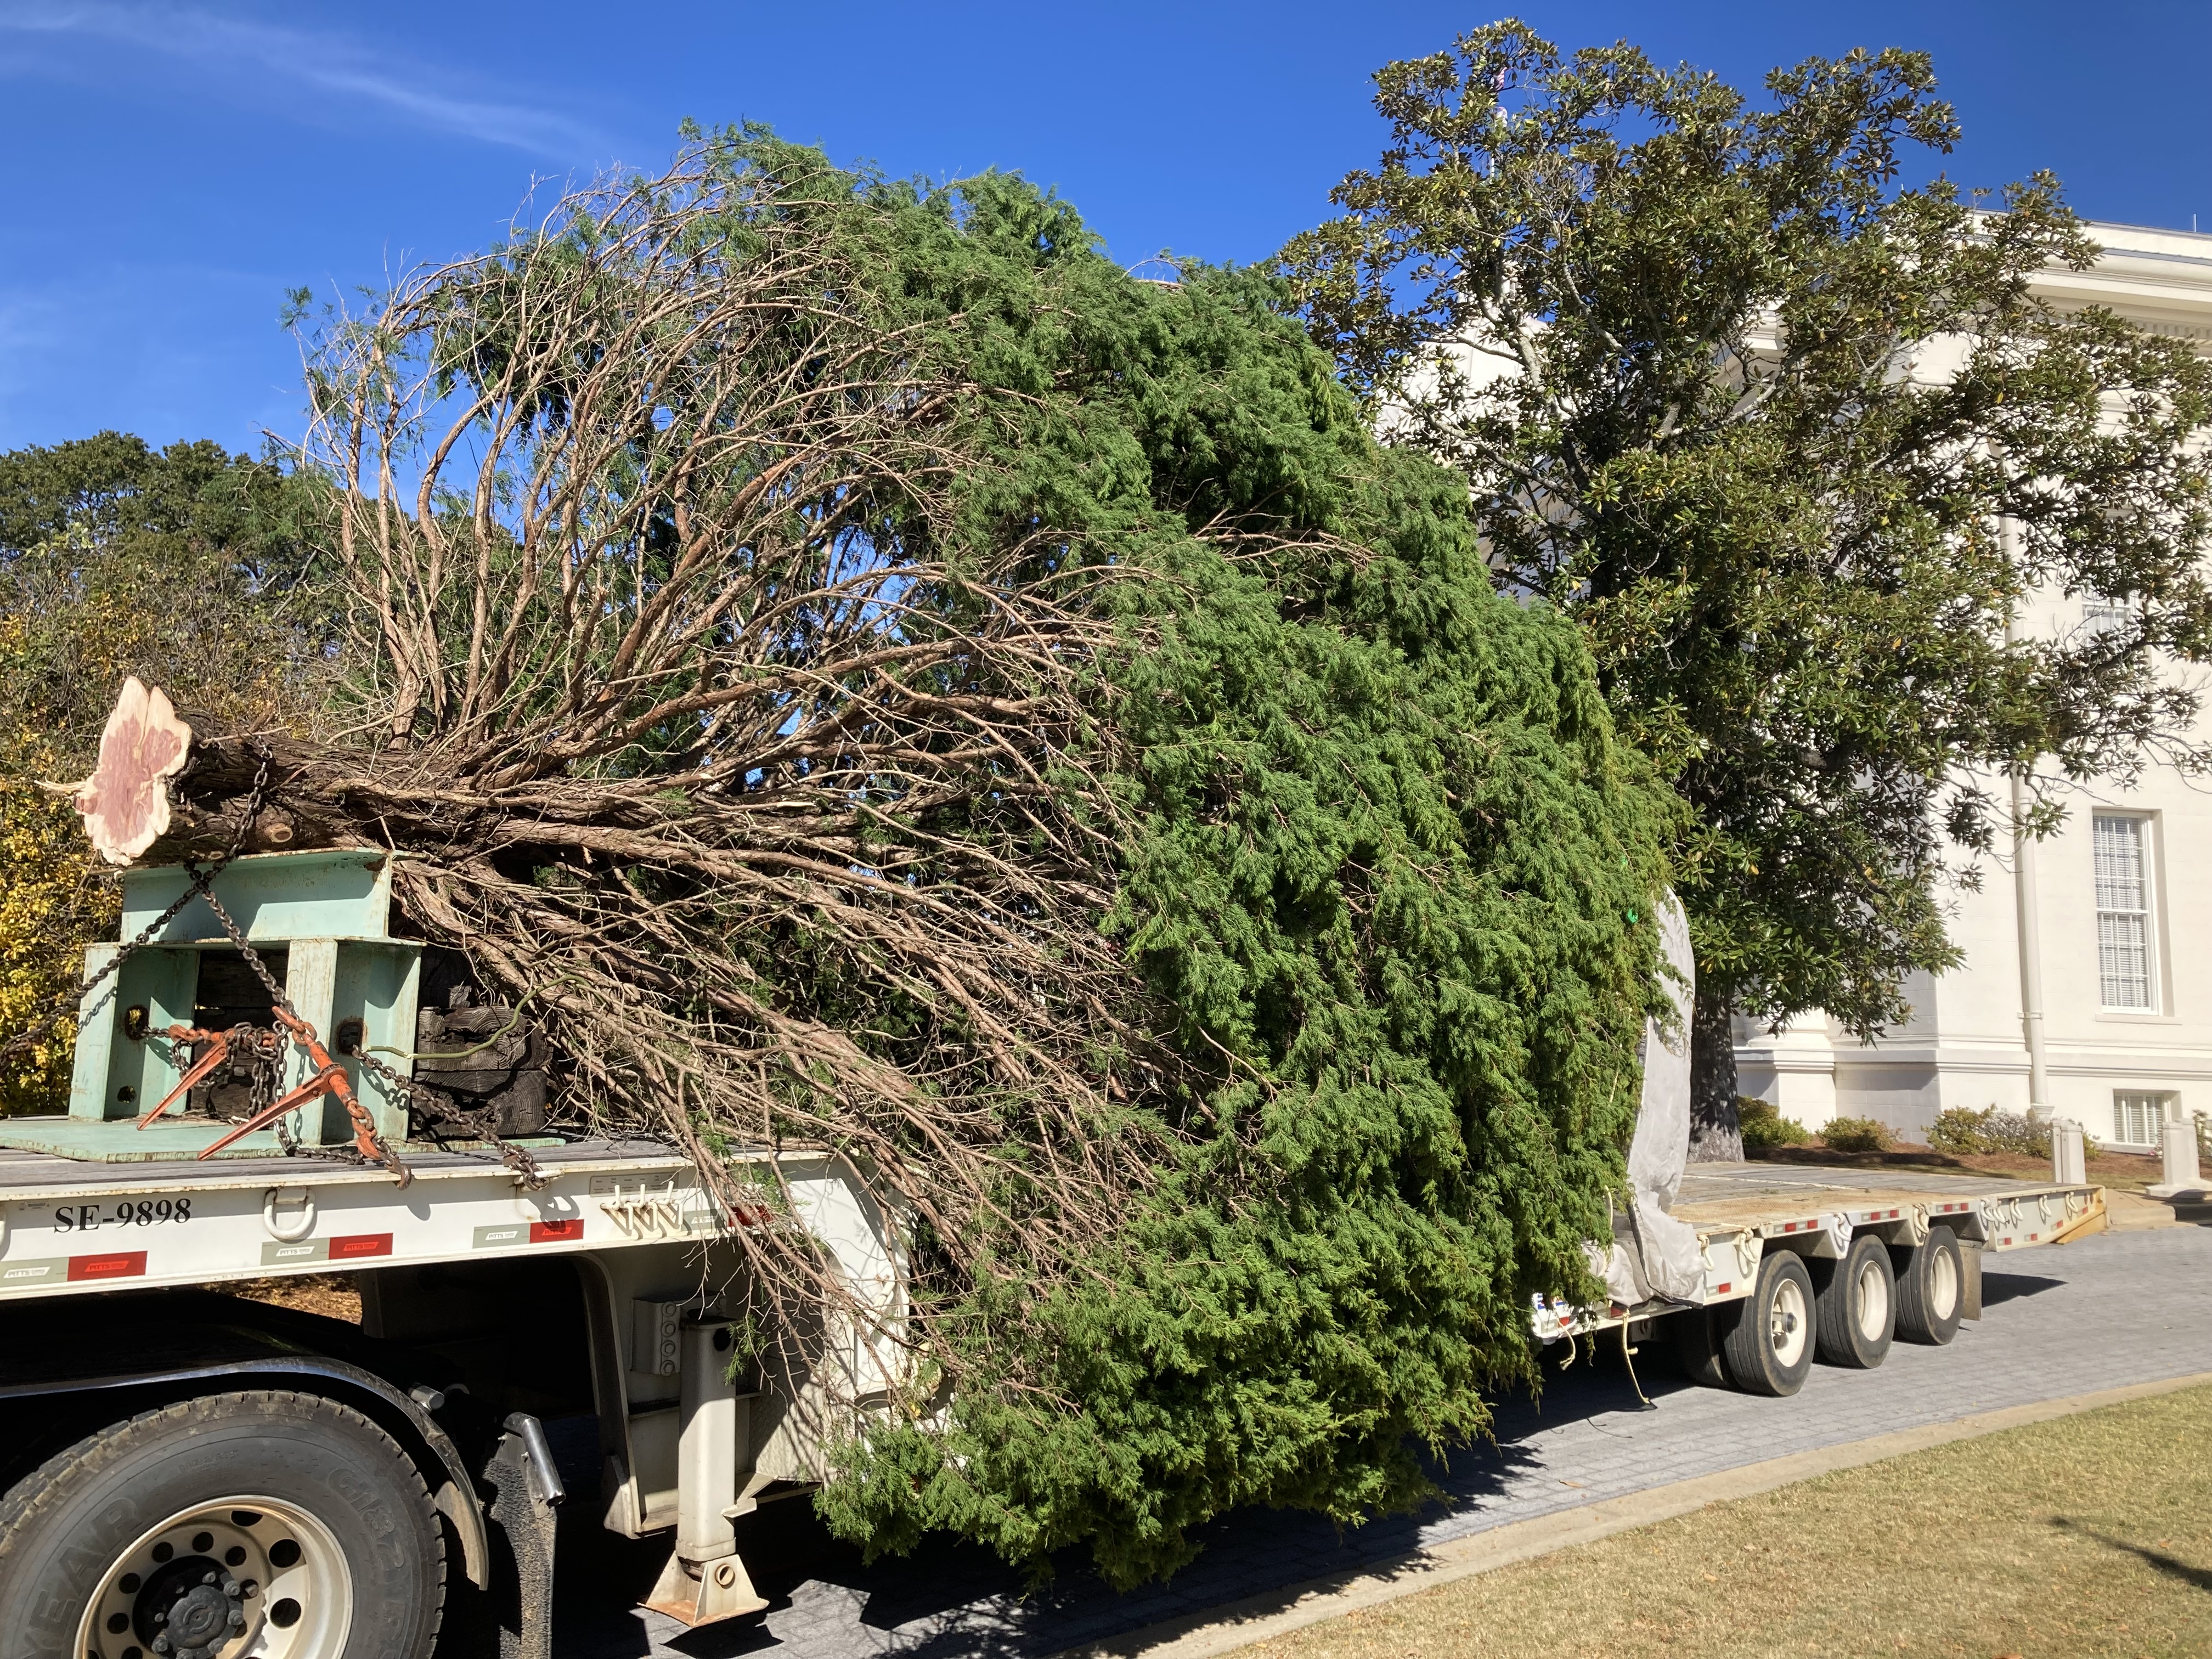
(1962, 1131)
(2009, 1132)
(1959, 1130)
(1857, 1134)
(1763, 1127)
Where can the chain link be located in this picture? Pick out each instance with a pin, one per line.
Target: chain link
(197, 884)
(483, 1120)
(366, 1128)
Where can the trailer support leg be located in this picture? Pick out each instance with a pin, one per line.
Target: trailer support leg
(704, 1580)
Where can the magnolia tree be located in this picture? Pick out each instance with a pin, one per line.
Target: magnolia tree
(1791, 442)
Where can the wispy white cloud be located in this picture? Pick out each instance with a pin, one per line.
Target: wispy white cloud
(317, 62)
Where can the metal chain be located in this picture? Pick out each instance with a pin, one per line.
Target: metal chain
(199, 883)
(195, 887)
(482, 1120)
(516, 1158)
(389, 1158)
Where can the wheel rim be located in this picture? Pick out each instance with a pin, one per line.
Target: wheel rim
(1943, 1282)
(1787, 1323)
(1873, 1301)
(238, 1578)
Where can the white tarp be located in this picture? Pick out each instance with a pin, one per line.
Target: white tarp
(1653, 1255)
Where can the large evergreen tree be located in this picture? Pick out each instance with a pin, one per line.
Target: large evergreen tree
(1390, 875)
(874, 675)
(1792, 444)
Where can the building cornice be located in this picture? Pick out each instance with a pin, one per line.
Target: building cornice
(2159, 280)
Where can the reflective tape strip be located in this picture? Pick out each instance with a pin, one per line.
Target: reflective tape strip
(116, 1264)
(567, 1231)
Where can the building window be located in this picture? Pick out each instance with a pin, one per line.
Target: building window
(2137, 1118)
(2125, 946)
(2105, 616)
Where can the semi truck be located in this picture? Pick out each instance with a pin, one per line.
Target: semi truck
(192, 1472)
(195, 1473)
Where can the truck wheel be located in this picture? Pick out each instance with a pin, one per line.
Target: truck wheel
(1697, 1346)
(1930, 1280)
(1768, 1346)
(1856, 1305)
(282, 1525)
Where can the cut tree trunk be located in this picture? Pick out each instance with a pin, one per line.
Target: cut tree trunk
(176, 785)
(1716, 1132)
(125, 802)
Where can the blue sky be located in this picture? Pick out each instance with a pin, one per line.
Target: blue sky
(173, 169)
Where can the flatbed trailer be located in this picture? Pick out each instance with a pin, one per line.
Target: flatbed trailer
(1800, 1261)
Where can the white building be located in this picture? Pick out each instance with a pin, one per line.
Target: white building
(2106, 925)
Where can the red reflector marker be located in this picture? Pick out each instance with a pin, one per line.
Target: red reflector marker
(123, 1264)
(556, 1232)
(356, 1245)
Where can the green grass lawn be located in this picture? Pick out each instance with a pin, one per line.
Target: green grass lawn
(2091, 1536)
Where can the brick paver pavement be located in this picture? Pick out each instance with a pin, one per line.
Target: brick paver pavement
(2102, 1313)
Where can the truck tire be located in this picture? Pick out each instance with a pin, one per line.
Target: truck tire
(1931, 1282)
(1766, 1340)
(286, 1519)
(1856, 1305)
(1697, 1346)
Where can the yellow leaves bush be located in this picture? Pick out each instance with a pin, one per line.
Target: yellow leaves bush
(54, 901)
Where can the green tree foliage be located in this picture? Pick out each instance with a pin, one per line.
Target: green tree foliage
(1350, 881)
(1791, 444)
(1391, 873)
(1377, 903)
(116, 559)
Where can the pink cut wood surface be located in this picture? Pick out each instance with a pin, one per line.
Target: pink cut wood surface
(126, 803)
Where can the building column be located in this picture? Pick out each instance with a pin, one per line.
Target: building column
(1792, 1068)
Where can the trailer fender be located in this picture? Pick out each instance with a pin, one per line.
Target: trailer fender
(233, 1353)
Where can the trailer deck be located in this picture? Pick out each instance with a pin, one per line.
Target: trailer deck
(1779, 1199)
(1742, 1211)
(72, 1226)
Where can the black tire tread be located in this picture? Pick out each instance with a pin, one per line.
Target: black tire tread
(1748, 1348)
(24, 1505)
(1916, 1318)
(1697, 1345)
(1838, 1338)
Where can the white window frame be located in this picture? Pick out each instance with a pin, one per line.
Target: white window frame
(2100, 616)
(2117, 918)
(2146, 1108)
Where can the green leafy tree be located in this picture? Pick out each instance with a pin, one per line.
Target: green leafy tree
(1792, 444)
(182, 566)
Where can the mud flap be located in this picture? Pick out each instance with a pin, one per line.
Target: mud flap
(513, 1617)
